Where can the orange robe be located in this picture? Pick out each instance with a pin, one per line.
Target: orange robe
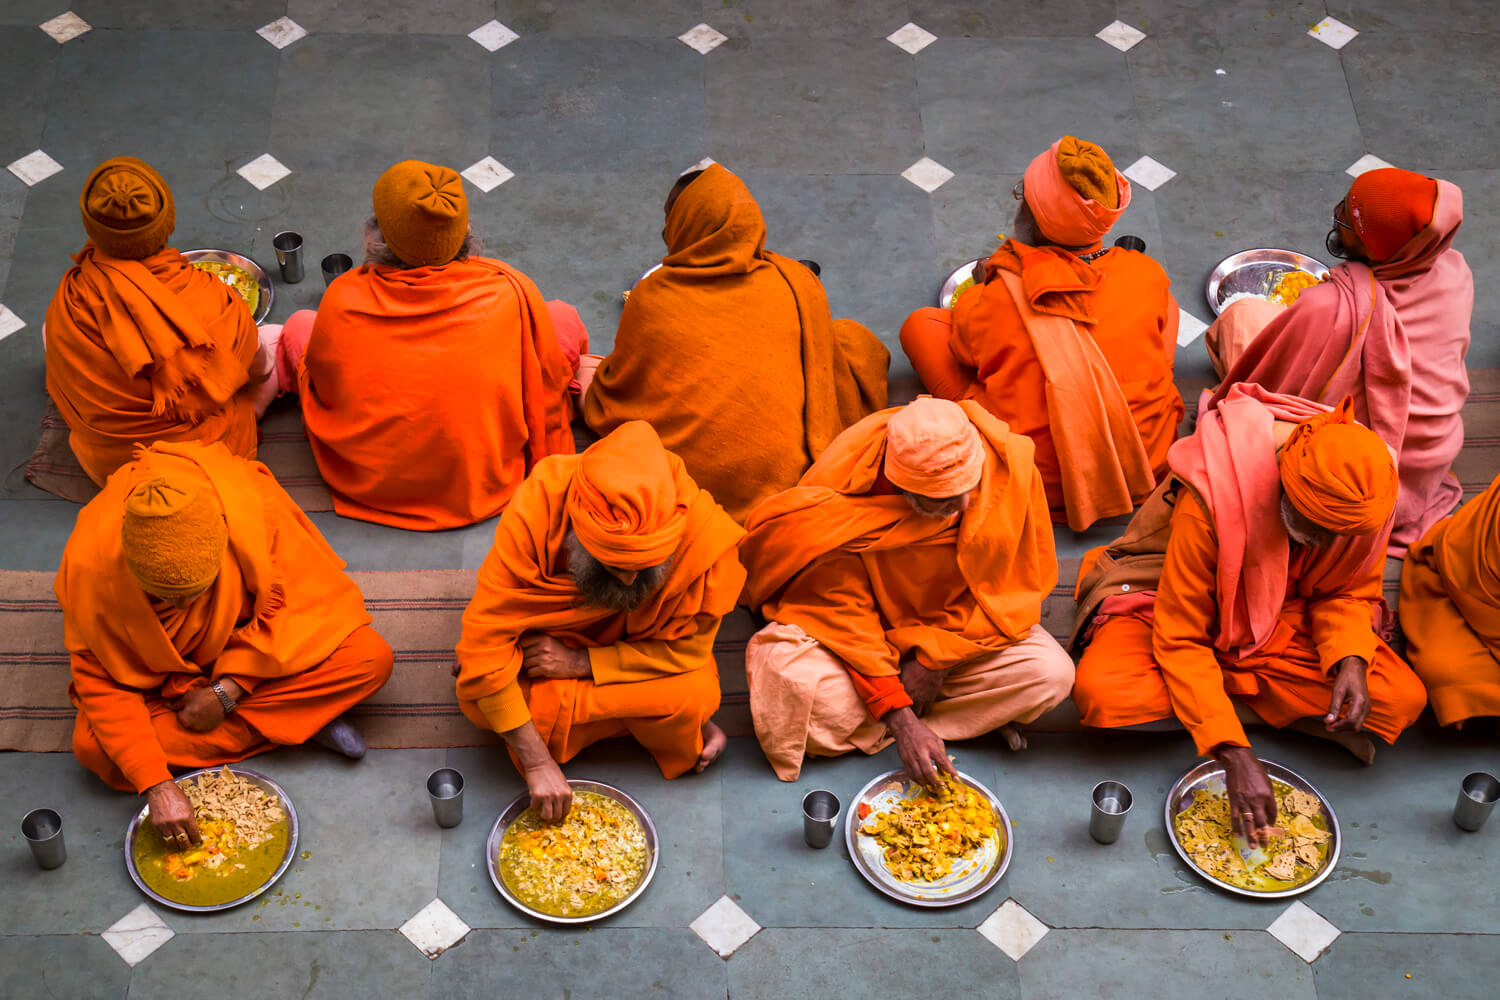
(730, 352)
(148, 350)
(429, 392)
(1450, 610)
(282, 620)
(982, 350)
(653, 670)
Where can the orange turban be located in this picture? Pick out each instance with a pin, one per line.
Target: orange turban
(1075, 193)
(127, 208)
(933, 449)
(422, 211)
(1388, 207)
(173, 537)
(1338, 473)
(623, 501)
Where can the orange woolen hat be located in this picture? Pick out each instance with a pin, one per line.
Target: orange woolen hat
(173, 537)
(127, 208)
(422, 211)
(623, 500)
(933, 449)
(1338, 473)
(1388, 207)
(1074, 192)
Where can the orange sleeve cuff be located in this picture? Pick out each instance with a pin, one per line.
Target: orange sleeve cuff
(881, 694)
(505, 709)
(1218, 730)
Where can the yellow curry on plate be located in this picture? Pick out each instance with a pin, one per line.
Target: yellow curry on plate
(241, 280)
(923, 837)
(1298, 849)
(584, 865)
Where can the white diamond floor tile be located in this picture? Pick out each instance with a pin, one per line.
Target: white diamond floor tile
(1365, 164)
(1013, 929)
(34, 167)
(1121, 35)
(65, 27)
(1189, 327)
(493, 35)
(263, 171)
(928, 174)
(1303, 929)
(282, 32)
(724, 927)
(1332, 32)
(1149, 174)
(911, 37)
(488, 174)
(434, 929)
(702, 164)
(702, 38)
(9, 322)
(137, 934)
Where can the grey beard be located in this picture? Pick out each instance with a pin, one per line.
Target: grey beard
(599, 588)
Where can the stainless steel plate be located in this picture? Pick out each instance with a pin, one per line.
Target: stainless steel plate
(139, 826)
(267, 290)
(971, 880)
(519, 804)
(960, 274)
(1210, 775)
(1254, 272)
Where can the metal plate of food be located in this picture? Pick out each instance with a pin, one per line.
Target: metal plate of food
(960, 281)
(249, 830)
(1300, 857)
(242, 274)
(972, 873)
(625, 295)
(1257, 272)
(560, 873)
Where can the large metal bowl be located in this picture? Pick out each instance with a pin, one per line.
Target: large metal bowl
(973, 880)
(1210, 775)
(1254, 272)
(521, 802)
(267, 290)
(141, 822)
(948, 294)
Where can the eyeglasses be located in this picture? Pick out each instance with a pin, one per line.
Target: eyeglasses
(1019, 191)
(1340, 222)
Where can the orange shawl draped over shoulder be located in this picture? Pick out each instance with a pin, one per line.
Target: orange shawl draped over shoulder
(730, 352)
(1464, 552)
(148, 350)
(280, 605)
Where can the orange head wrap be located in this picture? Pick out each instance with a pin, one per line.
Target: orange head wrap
(173, 537)
(127, 208)
(422, 211)
(623, 501)
(1388, 207)
(1338, 473)
(933, 449)
(1075, 193)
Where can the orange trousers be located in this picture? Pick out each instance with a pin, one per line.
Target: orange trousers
(924, 338)
(283, 711)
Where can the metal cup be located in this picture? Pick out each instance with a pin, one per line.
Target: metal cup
(289, 255)
(1476, 797)
(812, 266)
(820, 817)
(445, 789)
(43, 830)
(1131, 243)
(1111, 803)
(334, 265)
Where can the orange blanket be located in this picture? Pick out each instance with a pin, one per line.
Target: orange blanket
(727, 337)
(280, 605)
(429, 393)
(148, 350)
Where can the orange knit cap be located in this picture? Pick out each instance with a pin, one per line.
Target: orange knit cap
(127, 208)
(422, 211)
(1338, 473)
(1075, 193)
(173, 537)
(933, 449)
(1388, 207)
(623, 501)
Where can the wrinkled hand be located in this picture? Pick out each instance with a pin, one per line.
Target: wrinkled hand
(172, 814)
(199, 710)
(1252, 803)
(551, 795)
(921, 751)
(545, 657)
(922, 685)
(1351, 695)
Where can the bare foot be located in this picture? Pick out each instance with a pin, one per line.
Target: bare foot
(714, 742)
(1014, 738)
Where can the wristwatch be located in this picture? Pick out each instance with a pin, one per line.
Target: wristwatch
(224, 698)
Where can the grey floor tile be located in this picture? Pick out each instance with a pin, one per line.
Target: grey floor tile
(1455, 15)
(437, 17)
(1456, 966)
(784, 962)
(1018, 18)
(1255, 23)
(608, 962)
(33, 533)
(224, 15)
(28, 60)
(826, 18)
(291, 965)
(641, 19)
(12, 201)
(1480, 245)
(77, 966)
(1243, 965)
(368, 546)
(329, 209)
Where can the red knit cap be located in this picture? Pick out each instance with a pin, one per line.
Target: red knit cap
(1388, 207)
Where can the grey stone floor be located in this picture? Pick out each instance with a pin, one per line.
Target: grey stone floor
(594, 108)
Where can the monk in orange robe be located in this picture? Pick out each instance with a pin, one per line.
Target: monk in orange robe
(431, 379)
(207, 621)
(1450, 610)
(141, 346)
(904, 578)
(596, 611)
(1070, 344)
(730, 352)
(1269, 592)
